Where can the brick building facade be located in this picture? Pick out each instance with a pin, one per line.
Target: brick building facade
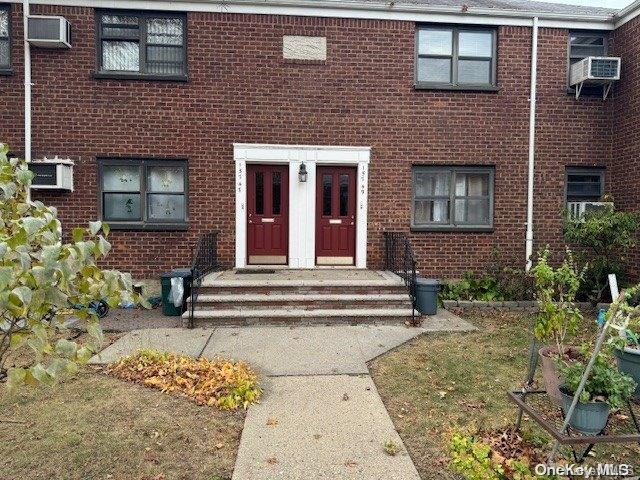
(241, 90)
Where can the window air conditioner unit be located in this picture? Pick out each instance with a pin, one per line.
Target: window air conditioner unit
(595, 71)
(49, 31)
(577, 210)
(52, 174)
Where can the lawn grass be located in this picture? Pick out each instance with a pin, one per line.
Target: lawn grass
(439, 382)
(93, 426)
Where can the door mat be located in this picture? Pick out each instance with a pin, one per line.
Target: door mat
(252, 271)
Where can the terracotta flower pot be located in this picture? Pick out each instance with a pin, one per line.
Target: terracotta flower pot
(550, 373)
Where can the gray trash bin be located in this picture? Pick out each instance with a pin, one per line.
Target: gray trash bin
(427, 295)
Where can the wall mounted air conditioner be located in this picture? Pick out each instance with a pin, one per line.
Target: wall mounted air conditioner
(577, 210)
(595, 71)
(49, 31)
(52, 174)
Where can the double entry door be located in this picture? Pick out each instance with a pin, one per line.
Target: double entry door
(268, 215)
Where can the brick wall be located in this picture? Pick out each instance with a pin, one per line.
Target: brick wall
(626, 125)
(241, 90)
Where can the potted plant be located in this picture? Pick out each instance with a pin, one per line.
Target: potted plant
(558, 317)
(626, 337)
(606, 388)
(628, 357)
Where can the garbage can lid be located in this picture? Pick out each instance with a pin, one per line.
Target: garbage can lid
(166, 275)
(181, 272)
(427, 281)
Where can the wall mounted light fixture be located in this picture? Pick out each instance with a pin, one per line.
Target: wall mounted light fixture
(302, 173)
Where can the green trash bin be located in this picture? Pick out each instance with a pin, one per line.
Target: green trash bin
(427, 295)
(168, 308)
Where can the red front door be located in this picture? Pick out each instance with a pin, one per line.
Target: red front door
(336, 216)
(267, 214)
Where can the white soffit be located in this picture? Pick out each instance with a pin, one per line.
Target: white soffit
(365, 10)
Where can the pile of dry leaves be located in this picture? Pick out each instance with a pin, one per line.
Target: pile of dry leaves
(220, 383)
(507, 444)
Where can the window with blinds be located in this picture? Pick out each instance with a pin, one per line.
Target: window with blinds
(452, 198)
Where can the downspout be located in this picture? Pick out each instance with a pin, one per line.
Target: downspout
(532, 143)
(27, 87)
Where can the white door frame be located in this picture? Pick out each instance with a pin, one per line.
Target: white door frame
(302, 196)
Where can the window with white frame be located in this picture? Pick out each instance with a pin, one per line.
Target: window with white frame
(143, 193)
(452, 198)
(5, 42)
(148, 44)
(455, 57)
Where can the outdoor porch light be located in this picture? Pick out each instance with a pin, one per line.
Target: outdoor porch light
(302, 174)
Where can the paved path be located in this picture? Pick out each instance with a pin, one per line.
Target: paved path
(321, 416)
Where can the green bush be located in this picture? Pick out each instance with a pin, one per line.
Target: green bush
(556, 290)
(473, 287)
(515, 283)
(605, 383)
(602, 239)
(41, 278)
(501, 282)
(475, 460)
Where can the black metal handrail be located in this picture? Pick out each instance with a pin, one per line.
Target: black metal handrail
(400, 259)
(205, 261)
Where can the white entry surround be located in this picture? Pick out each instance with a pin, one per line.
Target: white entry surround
(302, 196)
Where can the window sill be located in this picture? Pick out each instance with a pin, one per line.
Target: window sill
(147, 227)
(458, 88)
(153, 78)
(453, 229)
(6, 72)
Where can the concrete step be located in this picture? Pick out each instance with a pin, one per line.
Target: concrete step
(302, 301)
(297, 316)
(288, 289)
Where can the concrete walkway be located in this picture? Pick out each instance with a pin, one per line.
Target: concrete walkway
(321, 416)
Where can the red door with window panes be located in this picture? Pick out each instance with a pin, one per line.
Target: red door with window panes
(336, 216)
(267, 214)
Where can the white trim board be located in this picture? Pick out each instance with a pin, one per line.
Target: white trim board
(627, 14)
(302, 196)
(358, 9)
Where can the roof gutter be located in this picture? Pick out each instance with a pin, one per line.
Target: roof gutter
(358, 9)
(627, 14)
(415, 8)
